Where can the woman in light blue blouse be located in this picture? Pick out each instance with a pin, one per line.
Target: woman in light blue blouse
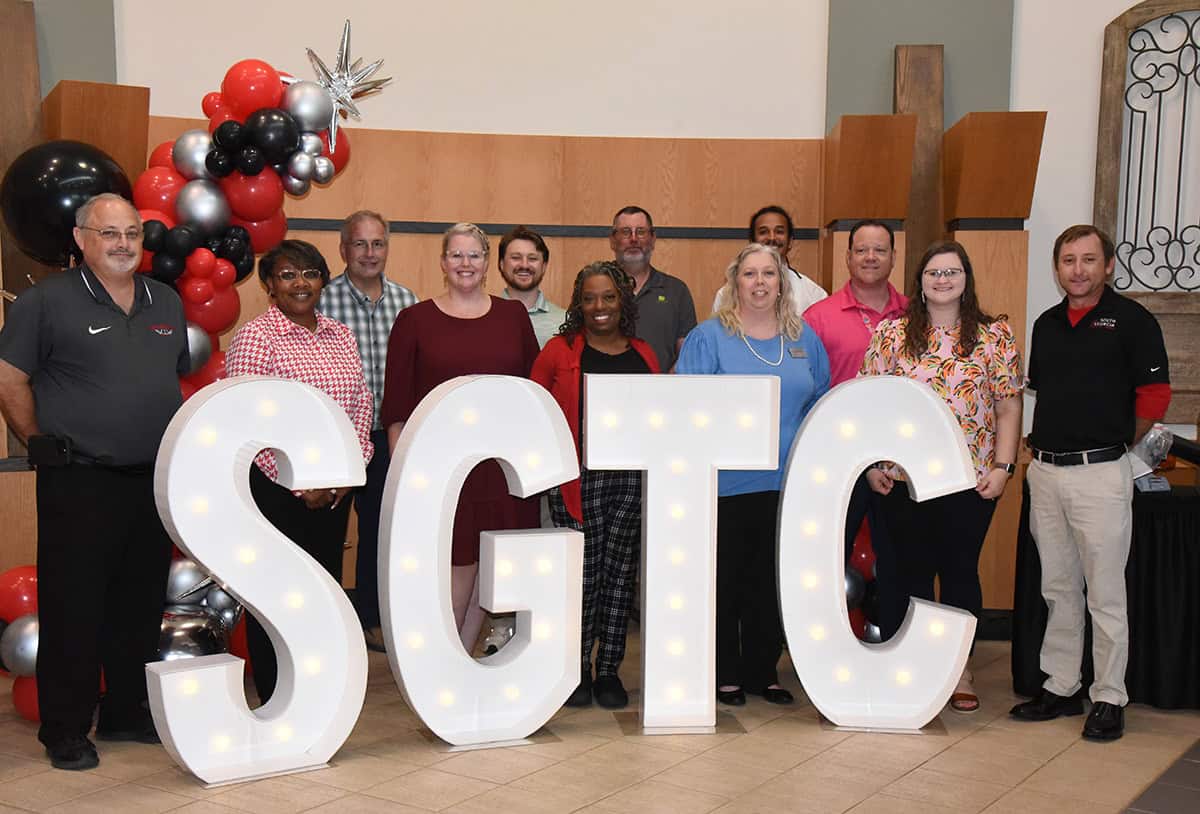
(755, 332)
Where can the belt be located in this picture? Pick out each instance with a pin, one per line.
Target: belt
(1089, 456)
(121, 469)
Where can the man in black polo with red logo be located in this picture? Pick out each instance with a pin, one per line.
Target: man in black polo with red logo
(1099, 367)
(89, 367)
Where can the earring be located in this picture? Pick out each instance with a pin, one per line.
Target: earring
(922, 295)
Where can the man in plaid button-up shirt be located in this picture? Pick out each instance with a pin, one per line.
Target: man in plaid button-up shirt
(367, 302)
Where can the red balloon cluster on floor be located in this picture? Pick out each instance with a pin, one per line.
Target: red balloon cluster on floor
(18, 597)
(862, 560)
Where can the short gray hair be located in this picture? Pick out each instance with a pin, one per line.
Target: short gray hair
(85, 210)
(362, 214)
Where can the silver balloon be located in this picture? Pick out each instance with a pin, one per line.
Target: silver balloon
(199, 347)
(189, 153)
(322, 170)
(856, 588)
(230, 617)
(218, 599)
(309, 103)
(19, 645)
(301, 165)
(186, 583)
(294, 186)
(188, 631)
(873, 634)
(202, 204)
(311, 143)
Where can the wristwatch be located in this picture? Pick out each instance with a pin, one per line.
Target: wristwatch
(1009, 468)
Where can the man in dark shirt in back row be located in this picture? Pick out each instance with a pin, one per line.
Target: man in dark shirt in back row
(1099, 367)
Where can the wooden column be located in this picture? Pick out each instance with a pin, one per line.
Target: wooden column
(866, 174)
(990, 163)
(918, 90)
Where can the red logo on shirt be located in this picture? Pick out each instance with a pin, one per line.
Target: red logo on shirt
(162, 330)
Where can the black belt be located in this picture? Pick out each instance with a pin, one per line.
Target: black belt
(122, 469)
(1089, 456)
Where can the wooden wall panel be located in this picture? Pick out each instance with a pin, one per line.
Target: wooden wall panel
(18, 500)
(113, 118)
(991, 163)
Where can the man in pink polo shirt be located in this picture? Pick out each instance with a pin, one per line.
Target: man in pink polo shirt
(845, 321)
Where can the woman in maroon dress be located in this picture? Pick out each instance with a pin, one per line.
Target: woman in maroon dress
(462, 332)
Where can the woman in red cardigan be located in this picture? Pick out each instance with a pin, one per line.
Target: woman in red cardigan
(597, 337)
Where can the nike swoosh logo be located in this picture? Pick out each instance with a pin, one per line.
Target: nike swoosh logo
(94, 331)
(1156, 369)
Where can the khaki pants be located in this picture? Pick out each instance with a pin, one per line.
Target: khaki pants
(1081, 519)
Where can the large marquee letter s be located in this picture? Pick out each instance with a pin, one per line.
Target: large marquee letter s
(537, 573)
(904, 682)
(202, 487)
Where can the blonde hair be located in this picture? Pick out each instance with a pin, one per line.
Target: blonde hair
(470, 230)
(790, 324)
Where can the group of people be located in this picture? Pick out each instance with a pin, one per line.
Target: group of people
(89, 362)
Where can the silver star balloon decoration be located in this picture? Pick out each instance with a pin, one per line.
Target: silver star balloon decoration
(345, 83)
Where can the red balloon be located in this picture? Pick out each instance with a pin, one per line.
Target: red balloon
(200, 263)
(253, 197)
(25, 698)
(212, 102)
(18, 592)
(862, 555)
(858, 623)
(195, 289)
(237, 645)
(224, 275)
(209, 372)
(161, 155)
(157, 188)
(187, 390)
(264, 234)
(342, 155)
(215, 315)
(251, 85)
(219, 118)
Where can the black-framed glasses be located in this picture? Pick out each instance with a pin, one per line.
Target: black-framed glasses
(109, 235)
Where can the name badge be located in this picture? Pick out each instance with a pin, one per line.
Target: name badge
(797, 353)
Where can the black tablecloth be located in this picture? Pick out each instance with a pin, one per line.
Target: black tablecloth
(1163, 581)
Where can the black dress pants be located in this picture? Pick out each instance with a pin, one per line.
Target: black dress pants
(367, 501)
(320, 533)
(103, 558)
(749, 629)
(890, 586)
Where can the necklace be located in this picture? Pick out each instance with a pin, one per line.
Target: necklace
(759, 358)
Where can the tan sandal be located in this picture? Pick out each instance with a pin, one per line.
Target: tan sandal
(964, 699)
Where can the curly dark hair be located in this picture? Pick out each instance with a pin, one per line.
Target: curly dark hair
(970, 315)
(573, 323)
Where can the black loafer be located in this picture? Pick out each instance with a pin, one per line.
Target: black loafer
(141, 732)
(610, 692)
(1046, 706)
(776, 695)
(73, 754)
(733, 698)
(582, 696)
(1105, 723)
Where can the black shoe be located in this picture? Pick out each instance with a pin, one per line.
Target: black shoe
(373, 636)
(733, 698)
(582, 696)
(1046, 706)
(774, 695)
(610, 692)
(1105, 723)
(143, 732)
(75, 753)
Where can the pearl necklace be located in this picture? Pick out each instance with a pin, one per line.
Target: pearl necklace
(765, 361)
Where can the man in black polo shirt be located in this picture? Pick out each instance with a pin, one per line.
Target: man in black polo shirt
(89, 366)
(666, 311)
(1099, 367)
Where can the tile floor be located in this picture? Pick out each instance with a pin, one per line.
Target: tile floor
(761, 759)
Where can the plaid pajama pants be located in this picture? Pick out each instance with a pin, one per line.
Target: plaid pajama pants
(612, 533)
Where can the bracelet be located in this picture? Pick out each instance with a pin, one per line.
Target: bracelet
(1009, 468)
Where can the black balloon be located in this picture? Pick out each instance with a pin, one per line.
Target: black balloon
(154, 232)
(230, 136)
(181, 241)
(219, 162)
(244, 265)
(45, 185)
(213, 244)
(167, 267)
(240, 232)
(273, 131)
(250, 160)
(232, 247)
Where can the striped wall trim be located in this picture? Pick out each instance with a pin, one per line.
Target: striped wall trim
(986, 225)
(846, 224)
(426, 227)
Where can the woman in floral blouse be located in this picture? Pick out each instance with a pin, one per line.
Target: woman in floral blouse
(971, 360)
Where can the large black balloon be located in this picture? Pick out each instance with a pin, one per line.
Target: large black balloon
(167, 267)
(181, 241)
(43, 188)
(154, 233)
(274, 132)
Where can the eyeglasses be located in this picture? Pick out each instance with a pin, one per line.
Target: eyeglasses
(625, 232)
(473, 258)
(113, 235)
(290, 275)
(361, 245)
(940, 274)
